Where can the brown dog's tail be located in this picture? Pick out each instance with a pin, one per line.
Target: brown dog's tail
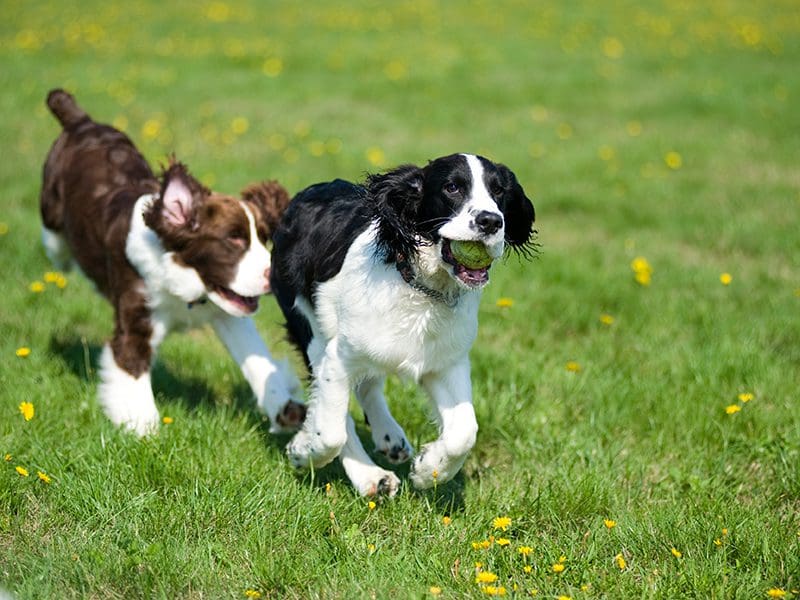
(64, 107)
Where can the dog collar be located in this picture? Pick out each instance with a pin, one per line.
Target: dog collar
(193, 303)
(407, 273)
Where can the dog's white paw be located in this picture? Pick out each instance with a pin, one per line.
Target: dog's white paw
(374, 481)
(313, 449)
(432, 467)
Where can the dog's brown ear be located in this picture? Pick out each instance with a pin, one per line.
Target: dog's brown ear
(173, 215)
(272, 199)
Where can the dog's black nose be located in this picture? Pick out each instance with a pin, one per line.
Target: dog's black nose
(488, 222)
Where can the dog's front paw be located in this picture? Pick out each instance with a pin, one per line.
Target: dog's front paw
(374, 481)
(290, 418)
(312, 449)
(431, 467)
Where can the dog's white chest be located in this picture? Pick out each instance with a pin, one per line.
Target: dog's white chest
(383, 324)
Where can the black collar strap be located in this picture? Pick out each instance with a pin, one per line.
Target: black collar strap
(407, 273)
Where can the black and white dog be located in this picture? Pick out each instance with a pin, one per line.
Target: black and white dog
(369, 286)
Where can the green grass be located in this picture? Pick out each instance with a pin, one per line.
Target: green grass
(584, 102)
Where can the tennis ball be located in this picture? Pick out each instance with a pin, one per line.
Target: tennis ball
(472, 255)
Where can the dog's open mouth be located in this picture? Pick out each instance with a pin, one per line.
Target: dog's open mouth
(247, 304)
(473, 278)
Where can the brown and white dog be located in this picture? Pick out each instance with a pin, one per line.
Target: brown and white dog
(166, 253)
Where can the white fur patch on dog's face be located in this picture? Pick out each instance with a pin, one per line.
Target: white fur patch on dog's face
(478, 205)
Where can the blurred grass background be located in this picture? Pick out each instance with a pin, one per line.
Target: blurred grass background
(661, 130)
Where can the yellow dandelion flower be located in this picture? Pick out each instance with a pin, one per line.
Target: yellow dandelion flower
(564, 131)
(494, 590)
(502, 542)
(371, 505)
(435, 474)
(718, 542)
(673, 160)
(376, 157)
(606, 319)
(620, 560)
(609, 523)
(505, 302)
(167, 420)
(562, 559)
(725, 278)
(26, 408)
(61, 282)
(396, 70)
(23, 352)
(371, 548)
(745, 397)
(613, 48)
(272, 67)
(565, 598)
(478, 565)
(732, 409)
(7, 457)
(446, 520)
(606, 153)
(44, 477)
(776, 593)
(559, 567)
(572, 366)
(219, 12)
(151, 129)
(676, 553)
(50, 276)
(634, 128)
(435, 590)
(527, 568)
(641, 265)
(501, 523)
(525, 550)
(240, 125)
(23, 472)
(485, 577)
(3, 228)
(724, 531)
(37, 287)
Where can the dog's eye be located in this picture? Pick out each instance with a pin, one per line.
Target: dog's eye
(451, 188)
(496, 189)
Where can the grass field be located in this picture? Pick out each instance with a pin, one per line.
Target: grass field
(636, 385)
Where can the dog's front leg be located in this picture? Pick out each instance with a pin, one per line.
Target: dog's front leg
(440, 460)
(367, 477)
(324, 431)
(390, 439)
(273, 384)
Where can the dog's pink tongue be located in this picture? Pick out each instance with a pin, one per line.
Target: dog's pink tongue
(473, 277)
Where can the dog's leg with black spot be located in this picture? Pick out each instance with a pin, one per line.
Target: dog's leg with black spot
(324, 432)
(390, 439)
(367, 477)
(451, 393)
(277, 391)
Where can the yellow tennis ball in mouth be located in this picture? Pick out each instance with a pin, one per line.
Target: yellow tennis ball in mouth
(472, 255)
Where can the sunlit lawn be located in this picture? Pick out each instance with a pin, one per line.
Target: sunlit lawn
(636, 384)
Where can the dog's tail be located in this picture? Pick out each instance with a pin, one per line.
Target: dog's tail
(64, 107)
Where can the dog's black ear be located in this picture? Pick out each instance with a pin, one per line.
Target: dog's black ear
(396, 197)
(517, 211)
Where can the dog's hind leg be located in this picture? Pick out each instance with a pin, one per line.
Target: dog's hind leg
(276, 388)
(390, 439)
